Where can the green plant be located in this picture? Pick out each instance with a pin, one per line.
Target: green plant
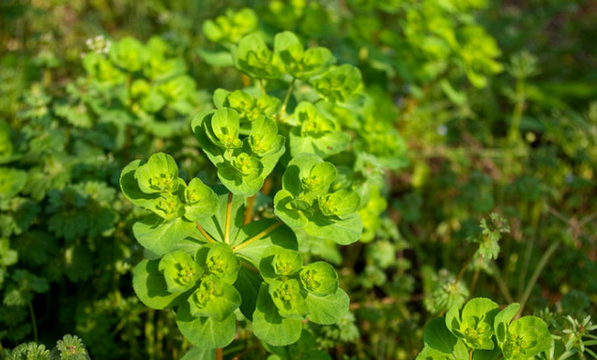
(207, 255)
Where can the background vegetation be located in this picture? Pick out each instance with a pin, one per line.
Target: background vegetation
(494, 103)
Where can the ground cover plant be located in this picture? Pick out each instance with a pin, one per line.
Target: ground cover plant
(298, 180)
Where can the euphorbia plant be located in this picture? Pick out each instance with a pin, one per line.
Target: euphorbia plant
(208, 256)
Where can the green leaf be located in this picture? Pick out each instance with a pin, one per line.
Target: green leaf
(328, 309)
(180, 271)
(161, 236)
(319, 278)
(215, 225)
(325, 145)
(248, 283)
(151, 287)
(205, 332)
(214, 298)
(344, 231)
(269, 326)
(431, 354)
(200, 200)
(437, 337)
(12, 181)
(502, 319)
(282, 236)
(197, 353)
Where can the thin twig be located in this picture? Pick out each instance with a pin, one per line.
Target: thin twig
(205, 234)
(249, 210)
(228, 217)
(258, 236)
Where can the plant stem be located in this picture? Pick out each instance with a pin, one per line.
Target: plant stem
(1, 351)
(33, 322)
(544, 259)
(470, 354)
(249, 210)
(262, 87)
(286, 98)
(205, 234)
(502, 285)
(219, 354)
(258, 236)
(228, 217)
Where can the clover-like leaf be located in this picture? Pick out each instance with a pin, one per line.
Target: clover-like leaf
(200, 200)
(319, 278)
(338, 84)
(475, 325)
(288, 298)
(180, 271)
(214, 298)
(158, 174)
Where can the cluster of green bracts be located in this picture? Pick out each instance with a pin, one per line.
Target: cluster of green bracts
(481, 331)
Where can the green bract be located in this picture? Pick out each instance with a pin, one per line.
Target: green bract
(339, 84)
(475, 325)
(230, 28)
(300, 63)
(243, 164)
(248, 107)
(219, 260)
(180, 271)
(214, 298)
(158, 174)
(200, 200)
(315, 133)
(305, 204)
(253, 57)
(128, 54)
(319, 278)
(288, 299)
(521, 339)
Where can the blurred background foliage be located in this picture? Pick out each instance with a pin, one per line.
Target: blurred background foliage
(496, 101)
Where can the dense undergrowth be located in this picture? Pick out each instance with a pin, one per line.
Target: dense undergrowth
(298, 180)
